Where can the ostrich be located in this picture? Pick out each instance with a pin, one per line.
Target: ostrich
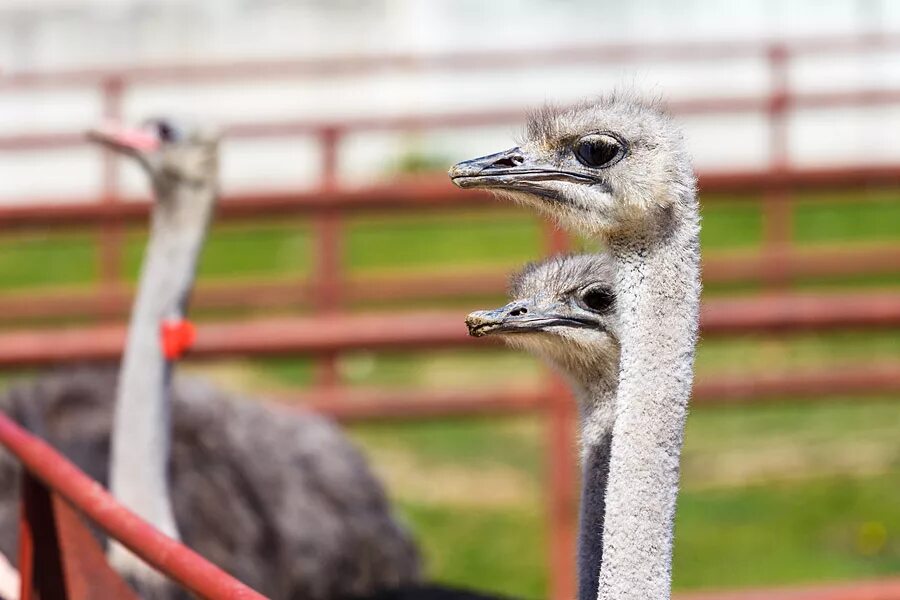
(281, 500)
(277, 497)
(563, 311)
(182, 166)
(617, 169)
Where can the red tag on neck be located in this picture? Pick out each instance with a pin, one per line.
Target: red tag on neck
(177, 337)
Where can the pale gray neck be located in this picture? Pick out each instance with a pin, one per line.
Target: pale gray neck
(142, 422)
(658, 298)
(596, 403)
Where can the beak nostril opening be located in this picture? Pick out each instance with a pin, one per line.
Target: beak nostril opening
(508, 161)
(518, 311)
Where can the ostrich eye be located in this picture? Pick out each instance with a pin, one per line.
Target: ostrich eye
(166, 131)
(599, 150)
(598, 298)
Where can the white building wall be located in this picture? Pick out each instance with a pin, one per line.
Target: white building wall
(71, 34)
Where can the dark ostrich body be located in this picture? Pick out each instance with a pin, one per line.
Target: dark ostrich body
(278, 498)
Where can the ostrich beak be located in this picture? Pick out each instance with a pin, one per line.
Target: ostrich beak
(515, 170)
(522, 316)
(128, 140)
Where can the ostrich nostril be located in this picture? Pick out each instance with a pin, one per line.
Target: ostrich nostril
(508, 161)
(518, 311)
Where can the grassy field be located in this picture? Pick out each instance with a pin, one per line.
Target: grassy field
(772, 494)
(776, 494)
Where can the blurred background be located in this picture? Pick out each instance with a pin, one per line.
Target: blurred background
(342, 118)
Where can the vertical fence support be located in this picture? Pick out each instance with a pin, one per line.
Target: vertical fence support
(328, 264)
(560, 425)
(776, 205)
(112, 236)
(561, 485)
(59, 558)
(40, 560)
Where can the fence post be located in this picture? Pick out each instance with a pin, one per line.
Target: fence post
(112, 236)
(560, 418)
(328, 264)
(40, 559)
(59, 557)
(776, 204)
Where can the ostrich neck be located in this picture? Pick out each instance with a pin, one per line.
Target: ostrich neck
(142, 421)
(658, 296)
(595, 400)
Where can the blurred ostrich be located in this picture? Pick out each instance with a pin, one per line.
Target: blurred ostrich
(182, 166)
(618, 169)
(278, 498)
(562, 310)
(282, 501)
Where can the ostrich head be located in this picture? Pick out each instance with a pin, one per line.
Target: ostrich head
(170, 152)
(601, 168)
(562, 310)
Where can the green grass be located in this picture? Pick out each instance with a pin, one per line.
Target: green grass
(263, 249)
(509, 557)
(514, 443)
(772, 494)
(731, 225)
(440, 240)
(834, 529)
(873, 217)
(446, 239)
(39, 259)
(790, 528)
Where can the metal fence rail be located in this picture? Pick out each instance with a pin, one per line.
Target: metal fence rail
(88, 497)
(60, 560)
(343, 332)
(329, 332)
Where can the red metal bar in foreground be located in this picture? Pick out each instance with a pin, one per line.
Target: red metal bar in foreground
(58, 555)
(175, 560)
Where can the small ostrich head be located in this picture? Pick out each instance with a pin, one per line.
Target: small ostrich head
(170, 151)
(602, 167)
(562, 310)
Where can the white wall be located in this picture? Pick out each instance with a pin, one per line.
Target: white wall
(64, 34)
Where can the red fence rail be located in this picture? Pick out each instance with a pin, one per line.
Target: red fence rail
(87, 496)
(776, 264)
(59, 559)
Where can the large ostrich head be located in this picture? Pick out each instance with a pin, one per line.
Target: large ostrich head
(604, 167)
(563, 310)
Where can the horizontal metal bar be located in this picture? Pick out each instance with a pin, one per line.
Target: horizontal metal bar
(799, 262)
(789, 313)
(367, 404)
(259, 294)
(355, 404)
(178, 562)
(450, 61)
(483, 118)
(412, 193)
(877, 379)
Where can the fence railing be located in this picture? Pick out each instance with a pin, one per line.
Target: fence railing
(58, 557)
(330, 332)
